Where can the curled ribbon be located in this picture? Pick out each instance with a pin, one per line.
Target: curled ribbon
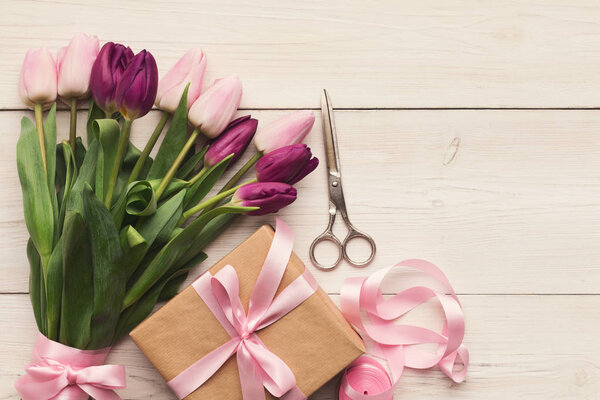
(394, 343)
(258, 367)
(60, 372)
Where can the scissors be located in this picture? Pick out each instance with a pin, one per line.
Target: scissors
(336, 197)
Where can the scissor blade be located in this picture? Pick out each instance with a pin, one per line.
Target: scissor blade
(329, 134)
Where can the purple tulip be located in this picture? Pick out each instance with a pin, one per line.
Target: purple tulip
(269, 196)
(137, 88)
(106, 74)
(288, 164)
(234, 140)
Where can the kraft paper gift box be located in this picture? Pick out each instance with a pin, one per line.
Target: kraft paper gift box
(314, 339)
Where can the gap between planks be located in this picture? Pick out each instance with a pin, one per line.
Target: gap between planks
(595, 108)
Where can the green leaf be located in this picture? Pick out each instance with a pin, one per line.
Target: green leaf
(132, 154)
(141, 200)
(174, 250)
(172, 286)
(207, 181)
(157, 228)
(188, 167)
(164, 219)
(60, 176)
(137, 199)
(50, 144)
(54, 287)
(173, 141)
(134, 248)
(163, 290)
(78, 283)
(94, 113)
(37, 290)
(79, 152)
(174, 186)
(211, 231)
(132, 316)
(68, 180)
(86, 176)
(37, 203)
(108, 140)
(109, 277)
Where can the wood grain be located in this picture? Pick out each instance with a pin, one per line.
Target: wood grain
(514, 211)
(500, 191)
(433, 53)
(530, 347)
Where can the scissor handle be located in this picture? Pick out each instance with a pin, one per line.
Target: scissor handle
(327, 235)
(354, 233)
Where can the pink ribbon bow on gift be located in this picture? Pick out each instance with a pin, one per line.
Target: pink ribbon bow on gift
(60, 372)
(258, 367)
(395, 342)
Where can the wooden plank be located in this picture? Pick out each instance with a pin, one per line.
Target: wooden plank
(513, 211)
(433, 53)
(531, 347)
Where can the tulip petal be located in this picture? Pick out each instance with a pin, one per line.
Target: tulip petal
(287, 130)
(38, 80)
(215, 108)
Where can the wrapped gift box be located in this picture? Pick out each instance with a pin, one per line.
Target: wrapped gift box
(314, 339)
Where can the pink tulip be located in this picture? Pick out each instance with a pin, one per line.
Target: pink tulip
(37, 84)
(74, 64)
(287, 130)
(189, 69)
(215, 108)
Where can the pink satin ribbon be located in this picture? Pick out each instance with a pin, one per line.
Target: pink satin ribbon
(60, 372)
(395, 343)
(258, 367)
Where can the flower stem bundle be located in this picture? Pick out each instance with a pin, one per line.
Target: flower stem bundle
(114, 229)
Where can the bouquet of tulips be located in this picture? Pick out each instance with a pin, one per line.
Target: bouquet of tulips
(113, 230)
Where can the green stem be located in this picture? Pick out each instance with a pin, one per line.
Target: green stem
(44, 260)
(149, 146)
(73, 130)
(238, 175)
(123, 140)
(39, 124)
(173, 170)
(212, 201)
(198, 175)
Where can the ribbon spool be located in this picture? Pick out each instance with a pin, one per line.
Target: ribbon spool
(365, 378)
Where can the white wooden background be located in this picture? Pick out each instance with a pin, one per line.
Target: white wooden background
(469, 134)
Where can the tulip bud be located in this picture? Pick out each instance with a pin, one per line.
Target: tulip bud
(290, 129)
(269, 196)
(189, 69)
(37, 84)
(136, 90)
(106, 74)
(215, 108)
(234, 140)
(288, 164)
(74, 64)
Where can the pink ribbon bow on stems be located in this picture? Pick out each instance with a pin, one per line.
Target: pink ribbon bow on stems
(60, 372)
(366, 379)
(258, 367)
